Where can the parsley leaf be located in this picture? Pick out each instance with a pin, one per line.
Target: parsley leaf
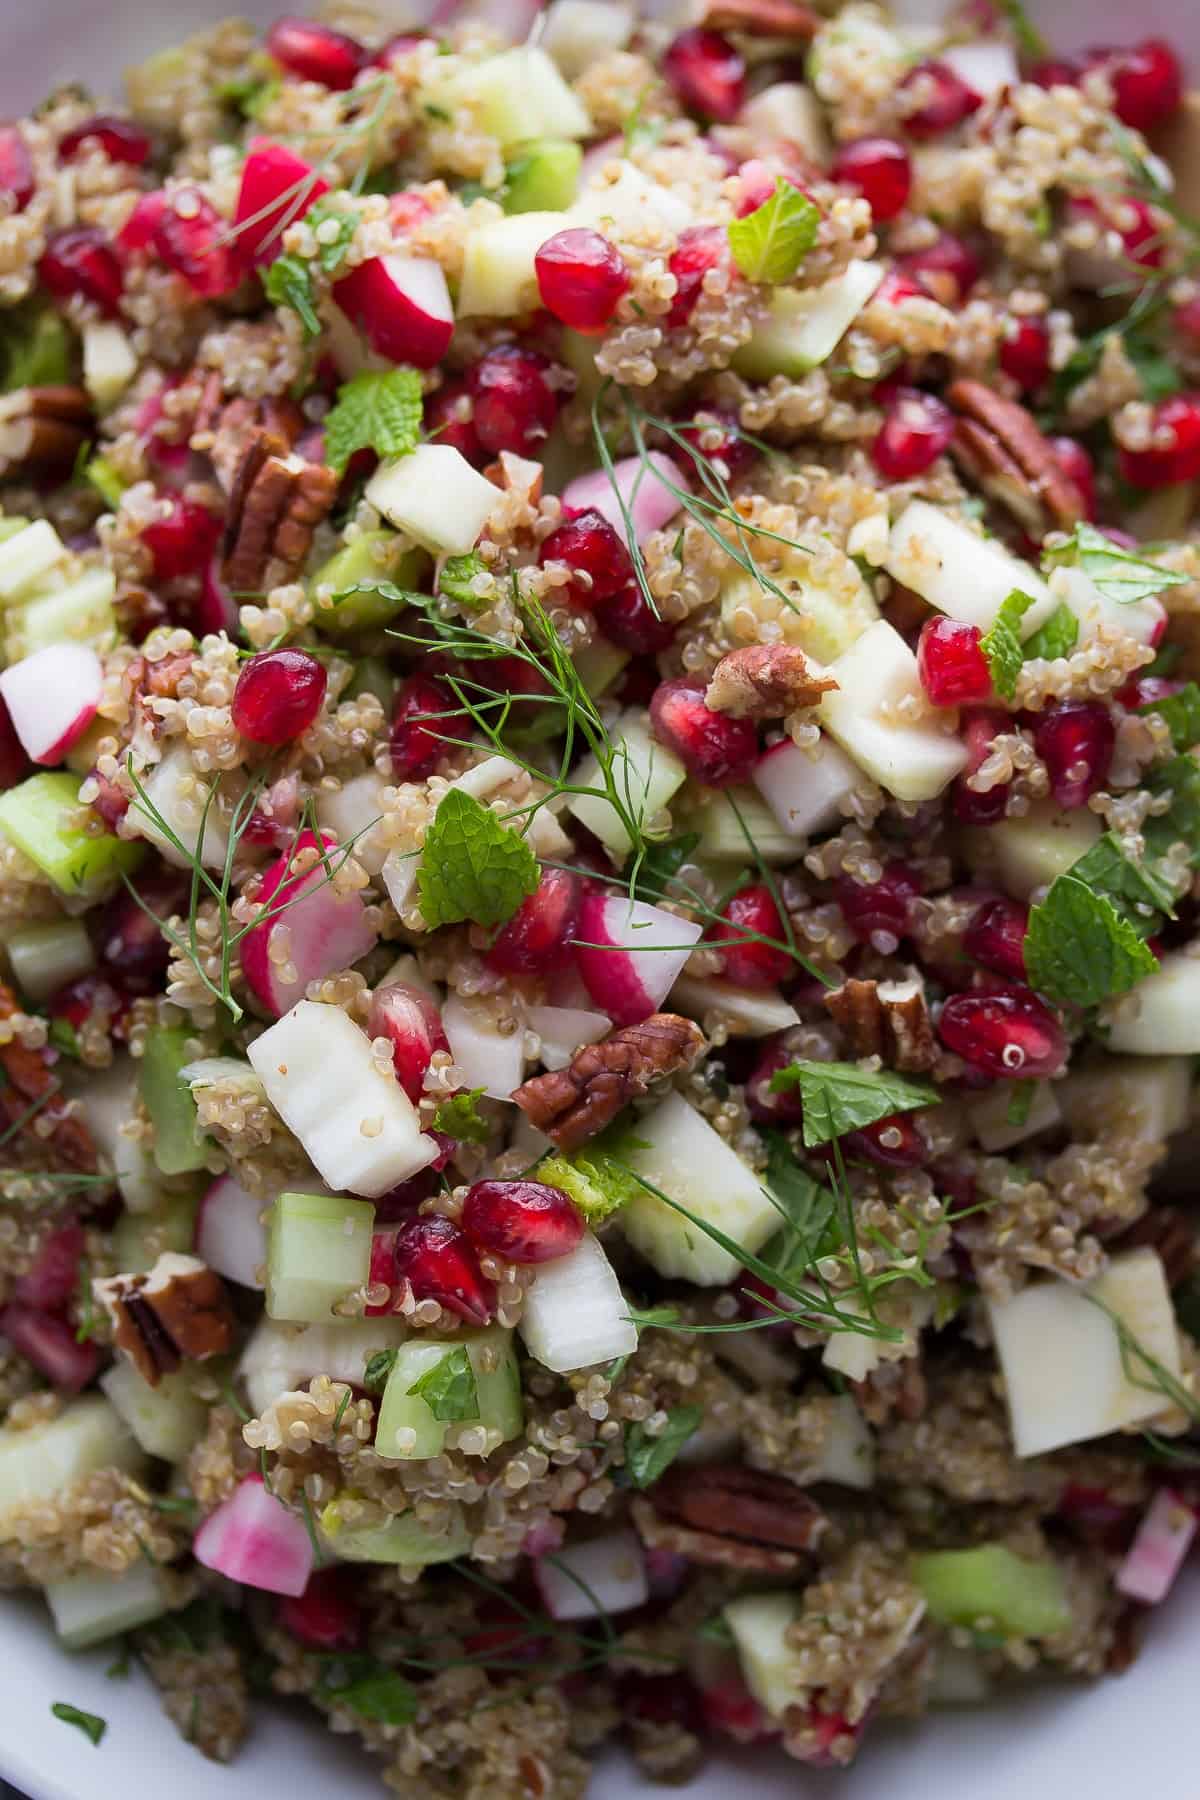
(1181, 712)
(379, 410)
(448, 1387)
(290, 280)
(35, 347)
(370, 1689)
(459, 1118)
(1002, 644)
(1115, 572)
(1158, 374)
(91, 1724)
(1057, 637)
(472, 866)
(646, 1457)
(456, 577)
(841, 1097)
(1080, 949)
(770, 243)
(378, 1368)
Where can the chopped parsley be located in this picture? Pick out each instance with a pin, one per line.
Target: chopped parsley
(448, 1387)
(1001, 645)
(91, 1724)
(368, 1688)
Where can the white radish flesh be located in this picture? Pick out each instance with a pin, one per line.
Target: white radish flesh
(253, 1539)
(52, 698)
(575, 1313)
(805, 792)
(230, 1235)
(630, 954)
(402, 306)
(487, 1058)
(1157, 1553)
(603, 1576)
(322, 930)
(636, 488)
(745, 1012)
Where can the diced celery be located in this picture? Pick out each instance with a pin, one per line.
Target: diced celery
(542, 176)
(87, 1609)
(26, 556)
(87, 1435)
(166, 1420)
(45, 957)
(497, 1387)
(81, 613)
(1015, 1595)
(178, 1146)
(318, 1251)
(104, 478)
(403, 1540)
(139, 1238)
(375, 556)
(37, 816)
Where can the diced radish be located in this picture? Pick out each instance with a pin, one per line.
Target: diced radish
(402, 305)
(1157, 1554)
(52, 698)
(217, 610)
(253, 1539)
(635, 487)
(230, 1236)
(53, 1275)
(50, 1344)
(630, 953)
(318, 932)
(281, 1357)
(603, 1576)
(805, 792)
(278, 187)
(566, 1029)
(487, 1058)
(575, 1313)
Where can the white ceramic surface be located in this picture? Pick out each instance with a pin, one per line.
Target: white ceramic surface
(1115, 1741)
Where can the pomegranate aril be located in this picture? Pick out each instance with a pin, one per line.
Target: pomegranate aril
(995, 937)
(1174, 454)
(515, 406)
(1186, 321)
(16, 168)
(521, 1221)
(664, 1700)
(1025, 353)
(449, 419)
(590, 547)
(715, 748)
(1054, 71)
(581, 277)
(51, 1279)
(1147, 83)
(947, 269)
(1078, 467)
(315, 52)
(418, 738)
(893, 1143)
(971, 807)
(700, 248)
(439, 1263)
(193, 239)
(93, 998)
(120, 139)
(706, 73)
(540, 930)
(1147, 690)
(50, 1344)
(943, 99)
(278, 695)
(408, 1018)
(183, 542)
(629, 621)
(893, 290)
(398, 45)
(951, 663)
(1009, 1032)
(1075, 741)
(14, 764)
(880, 909)
(729, 1707)
(880, 169)
(111, 802)
(745, 960)
(81, 263)
(1138, 230)
(916, 430)
(721, 443)
(326, 1616)
(127, 940)
(764, 1106)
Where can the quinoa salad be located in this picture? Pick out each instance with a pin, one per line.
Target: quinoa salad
(599, 876)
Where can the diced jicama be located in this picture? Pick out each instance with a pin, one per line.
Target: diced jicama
(805, 792)
(603, 1576)
(1157, 1553)
(638, 497)
(279, 1358)
(746, 1012)
(565, 1029)
(630, 953)
(1013, 1594)
(37, 1464)
(354, 1119)
(913, 753)
(1000, 1120)
(645, 776)
(678, 1151)
(173, 813)
(408, 1427)
(321, 928)
(166, 1420)
(575, 1313)
(230, 1234)
(772, 1669)
(352, 812)
(1029, 852)
(318, 1252)
(488, 1057)
(1162, 1015)
(1072, 1357)
(405, 1540)
(964, 575)
(52, 698)
(26, 556)
(255, 1540)
(435, 495)
(847, 1454)
(46, 957)
(88, 1609)
(1149, 1097)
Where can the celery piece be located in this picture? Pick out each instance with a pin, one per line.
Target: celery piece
(178, 1147)
(139, 1238)
(38, 817)
(1013, 1594)
(87, 1609)
(318, 1251)
(166, 1420)
(81, 613)
(26, 556)
(106, 481)
(497, 1393)
(403, 1540)
(542, 176)
(376, 557)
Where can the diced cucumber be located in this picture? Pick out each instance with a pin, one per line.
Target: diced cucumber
(45, 957)
(771, 1668)
(318, 1251)
(87, 1435)
(990, 1584)
(166, 1420)
(646, 776)
(103, 476)
(39, 350)
(513, 97)
(87, 1609)
(140, 1238)
(735, 825)
(828, 604)
(404, 1540)
(81, 613)
(37, 816)
(498, 277)
(178, 1146)
(375, 556)
(1029, 852)
(805, 325)
(407, 1427)
(25, 556)
(542, 176)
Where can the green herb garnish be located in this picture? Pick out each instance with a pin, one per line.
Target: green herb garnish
(448, 1388)
(1057, 637)
(459, 1117)
(841, 1097)
(472, 866)
(378, 410)
(770, 243)
(1114, 571)
(646, 1457)
(1001, 645)
(1079, 949)
(91, 1724)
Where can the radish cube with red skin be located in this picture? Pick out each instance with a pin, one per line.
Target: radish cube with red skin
(325, 930)
(402, 306)
(52, 698)
(629, 954)
(230, 1234)
(255, 1540)
(1163, 1540)
(50, 1344)
(278, 187)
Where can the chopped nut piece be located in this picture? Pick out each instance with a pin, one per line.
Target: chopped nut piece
(727, 1516)
(276, 504)
(762, 18)
(43, 429)
(178, 1312)
(32, 1103)
(998, 444)
(1173, 1234)
(888, 1019)
(571, 1105)
(765, 681)
(225, 429)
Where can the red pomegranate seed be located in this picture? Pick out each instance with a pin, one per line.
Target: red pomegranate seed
(278, 695)
(1091, 1506)
(764, 1106)
(1054, 71)
(1186, 320)
(893, 1143)
(188, 234)
(893, 290)
(449, 419)
(947, 269)
(581, 277)
(746, 961)
(127, 940)
(628, 621)
(16, 168)
(995, 937)
(828, 1728)
(52, 1277)
(418, 740)
(515, 406)
(879, 912)
(719, 440)
(730, 1708)
(111, 802)
(916, 429)
(1075, 741)
(1025, 353)
(540, 930)
(1135, 225)
(1078, 467)
(1007, 1033)
(1147, 690)
(715, 748)
(950, 662)
(95, 998)
(183, 542)
(14, 764)
(326, 1615)
(669, 1700)
(1147, 83)
(314, 52)
(707, 74)
(120, 139)
(943, 99)
(81, 263)
(700, 248)
(521, 1221)
(589, 545)
(979, 730)
(439, 1263)
(408, 1017)
(880, 169)
(1174, 454)
(50, 1344)
(399, 45)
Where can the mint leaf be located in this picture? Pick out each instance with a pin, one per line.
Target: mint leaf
(91, 1724)
(1181, 712)
(370, 1689)
(1134, 890)
(1115, 572)
(1057, 637)
(472, 866)
(379, 410)
(1002, 644)
(646, 1457)
(808, 1206)
(1079, 949)
(770, 243)
(289, 282)
(448, 1388)
(456, 577)
(1180, 778)
(378, 1368)
(63, 1036)
(841, 1097)
(1158, 374)
(459, 1118)
(35, 347)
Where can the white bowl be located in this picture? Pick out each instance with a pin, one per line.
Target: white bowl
(1103, 1742)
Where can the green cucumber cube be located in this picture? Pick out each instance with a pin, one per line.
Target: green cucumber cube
(318, 1251)
(178, 1146)
(38, 817)
(87, 1609)
(166, 1420)
(372, 676)
(1013, 1594)
(140, 1238)
(37, 1464)
(81, 613)
(407, 1427)
(375, 556)
(543, 176)
(403, 1540)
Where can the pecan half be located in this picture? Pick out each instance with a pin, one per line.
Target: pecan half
(571, 1105)
(727, 1516)
(225, 429)
(997, 443)
(1170, 1232)
(43, 429)
(765, 681)
(762, 18)
(276, 504)
(888, 1019)
(179, 1311)
(32, 1103)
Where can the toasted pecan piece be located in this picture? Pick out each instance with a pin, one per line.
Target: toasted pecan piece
(227, 428)
(888, 1019)
(32, 1103)
(571, 1105)
(765, 681)
(276, 505)
(762, 18)
(43, 429)
(728, 1516)
(178, 1312)
(1173, 1235)
(998, 444)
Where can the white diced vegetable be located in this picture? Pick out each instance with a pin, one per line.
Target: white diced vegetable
(1162, 1015)
(914, 754)
(87, 1435)
(87, 1609)
(435, 495)
(575, 1313)
(605, 1575)
(166, 1420)
(487, 1057)
(645, 774)
(963, 574)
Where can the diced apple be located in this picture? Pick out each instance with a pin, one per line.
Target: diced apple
(435, 495)
(596, 1578)
(352, 812)
(805, 325)
(109, 363)
(1143, 620)
(772, 1670)
(746, 1012)
(579, 32)
(990, 1121)
(987, 67)
(1162, 1015)
(805, 792)
(964, 575)
(913, 753)
(646, 776)
(88, 1609)
(177, 794)
(515, 96)
(488, 1058)
(730, 820)
(575, 1314)
(402, 306)
(848, 1453)
(35, 1465)
(1027, 853)
(166, 1420)
(625, 197)
(566, 1029)
(1149, 1096)
(498, 277)
(826, 606)
(791, 111)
